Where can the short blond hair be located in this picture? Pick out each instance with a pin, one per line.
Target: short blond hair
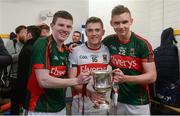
(94, 20)
(119, 9)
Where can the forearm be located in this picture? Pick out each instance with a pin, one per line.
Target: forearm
(52, 82)
(141, 79)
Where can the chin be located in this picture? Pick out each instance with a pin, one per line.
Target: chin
(121, 34)
(62, 39)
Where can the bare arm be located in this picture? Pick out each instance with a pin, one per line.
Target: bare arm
(72, 72)
(47, 81)
(149, 75)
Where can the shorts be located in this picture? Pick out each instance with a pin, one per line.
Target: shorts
(127, 109)
(62, 112)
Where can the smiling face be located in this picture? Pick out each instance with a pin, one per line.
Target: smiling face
(94, 32)
(121, 24)
(61, 29)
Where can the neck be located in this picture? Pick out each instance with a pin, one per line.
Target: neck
(59, 43)
(17, 38)
(93, 46)
(125, 37)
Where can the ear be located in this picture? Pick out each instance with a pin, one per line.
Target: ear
(131, 21)
(85, 32)
(111, 22)
(103, 32)
(51, 25)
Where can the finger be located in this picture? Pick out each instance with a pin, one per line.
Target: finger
(101, 102)
(116, 70)
(86, 81)
(96, 104)
(86, 78)
(101, 99)
(85, 73)
(116, 80)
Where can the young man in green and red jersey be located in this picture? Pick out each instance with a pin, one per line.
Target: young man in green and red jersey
(133, 57)
(46, 83)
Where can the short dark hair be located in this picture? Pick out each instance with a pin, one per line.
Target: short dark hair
(44, 26)
(62, 14)
(19, 28)
(34, 30)
(77, 32)
(94, 20)
(119, 9)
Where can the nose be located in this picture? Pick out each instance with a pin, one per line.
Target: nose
(66, 28)
(93, 32)
(120, 25)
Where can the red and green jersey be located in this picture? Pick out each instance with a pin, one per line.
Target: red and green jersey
(129, 57)
(46, 99)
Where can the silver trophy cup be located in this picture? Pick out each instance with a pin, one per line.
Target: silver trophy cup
(103, 84)
(102, 81)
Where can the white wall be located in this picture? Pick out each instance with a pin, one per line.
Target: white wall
(17, 12)
(156, 21)
(163, 14)
(150, 16)
(138, 8)
(172, 13)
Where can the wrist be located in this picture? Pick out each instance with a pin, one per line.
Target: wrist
(126, 78)
(76, 81)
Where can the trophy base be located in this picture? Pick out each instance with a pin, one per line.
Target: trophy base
(104, 106)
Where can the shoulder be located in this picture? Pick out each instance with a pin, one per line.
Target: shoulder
(104, 47)
(26, 47)
(80, 47)
(110, 39)
(78, 50)
(142, 42)
(41, 42)
(112, 36)
(39, 47)
(140, 39)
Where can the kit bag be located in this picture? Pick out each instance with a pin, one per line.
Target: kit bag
(167, 86)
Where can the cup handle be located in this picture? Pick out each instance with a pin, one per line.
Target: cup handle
(111, 76)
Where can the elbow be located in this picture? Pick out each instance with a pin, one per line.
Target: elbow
(43, 83)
